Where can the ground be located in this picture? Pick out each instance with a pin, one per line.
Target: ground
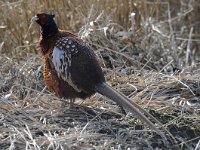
(148, 51)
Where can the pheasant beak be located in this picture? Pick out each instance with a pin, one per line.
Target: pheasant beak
(35, 18)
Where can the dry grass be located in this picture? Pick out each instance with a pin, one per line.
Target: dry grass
(152, 57)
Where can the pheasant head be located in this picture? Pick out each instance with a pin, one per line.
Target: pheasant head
(47, 23)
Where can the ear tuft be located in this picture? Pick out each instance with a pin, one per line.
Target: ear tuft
(52, 15)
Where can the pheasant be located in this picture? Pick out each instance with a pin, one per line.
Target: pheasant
(71, 69)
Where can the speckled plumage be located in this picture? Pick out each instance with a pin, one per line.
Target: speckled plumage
(65, 72)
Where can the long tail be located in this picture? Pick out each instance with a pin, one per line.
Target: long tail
(123, 101)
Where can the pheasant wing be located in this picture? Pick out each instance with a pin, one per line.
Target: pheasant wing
(76, 63)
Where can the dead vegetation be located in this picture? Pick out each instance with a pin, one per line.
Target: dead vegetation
(149, 50)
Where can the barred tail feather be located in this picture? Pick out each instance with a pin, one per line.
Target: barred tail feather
(123, 101)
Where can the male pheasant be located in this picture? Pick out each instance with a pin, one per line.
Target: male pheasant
(71, 69)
